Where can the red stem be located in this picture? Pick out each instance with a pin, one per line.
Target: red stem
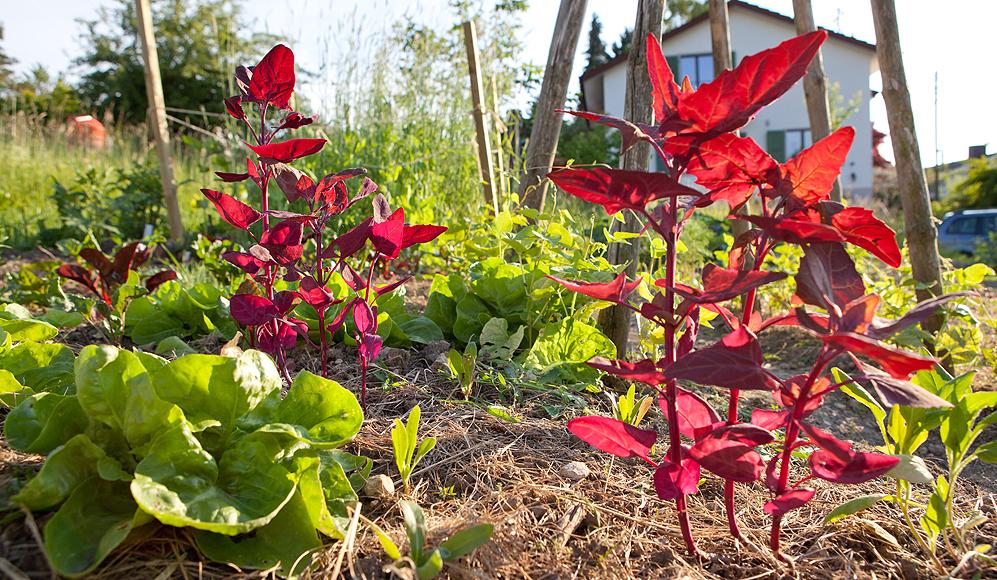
(792, 432)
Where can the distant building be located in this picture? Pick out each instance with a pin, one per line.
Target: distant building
(942, 178)
(782, 128)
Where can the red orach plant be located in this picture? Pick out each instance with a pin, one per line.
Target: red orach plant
(295, 246)
(694, 135)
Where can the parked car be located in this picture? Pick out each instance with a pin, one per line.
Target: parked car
(961, 232)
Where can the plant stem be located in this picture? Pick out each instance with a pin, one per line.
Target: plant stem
(792, 432)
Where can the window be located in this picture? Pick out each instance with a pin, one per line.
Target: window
(784, 144)
(963, 226)
(988, 225)
(698, 67)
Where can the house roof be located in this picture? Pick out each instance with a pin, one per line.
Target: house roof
(622, 57)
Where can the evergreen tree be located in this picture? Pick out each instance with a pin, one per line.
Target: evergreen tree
(6, 72)
(622, 45)
(596, 51)
(678, 12)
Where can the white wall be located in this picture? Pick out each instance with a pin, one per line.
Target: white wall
(844, 63)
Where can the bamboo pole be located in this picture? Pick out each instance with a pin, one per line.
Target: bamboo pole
(815, 85)
(919, 227)
(157, 116)
(480, 123)
(615, 320)
(546, 120)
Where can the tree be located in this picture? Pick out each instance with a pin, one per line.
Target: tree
(678, 12)
(6, 64)
(37, 92)
(200, 43)
(596, 52)
(978, 190)
(622, 46)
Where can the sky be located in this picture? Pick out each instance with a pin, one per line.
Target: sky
(955, 42)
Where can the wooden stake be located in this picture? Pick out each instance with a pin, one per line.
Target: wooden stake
(546, 120)
(615, 320)
(480, 124)
(157, 111)
(919, 229)
(815, 85)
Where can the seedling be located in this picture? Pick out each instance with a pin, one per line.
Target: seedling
(628, 409)
(404, 437)
(463, 368)
(428, 563)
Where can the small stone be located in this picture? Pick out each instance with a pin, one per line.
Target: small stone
(378, 486)
(575, 471)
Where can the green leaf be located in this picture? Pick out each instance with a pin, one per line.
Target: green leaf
(563, 347)
(936, 516)
(43, 422)
(496, 341)
(41, 366)
(145, 323)
(853, 506)
(180, 483)
(425, 447)
(472, 314)
(11, 390)
(64, 470)
(28, 330)
(987, 452)
(96, 518)
(911, 468)
(285, 542)
(431, 567)
(102, 375)
(329, 413)
(61, 318)
(390, 548)
(412, 431)
(173, 347)
(465, 541)
(858, 393)
(415, 527)
(219, 388)
(421, 330)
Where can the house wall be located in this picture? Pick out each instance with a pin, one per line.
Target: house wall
(848, 65)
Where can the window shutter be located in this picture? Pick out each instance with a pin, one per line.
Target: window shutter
(775, 145)
(673, 63)
(733, 59)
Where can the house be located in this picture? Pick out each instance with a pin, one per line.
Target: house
(782, 128)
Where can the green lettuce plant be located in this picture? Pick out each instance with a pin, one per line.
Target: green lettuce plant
(203, 442)
(428, 562)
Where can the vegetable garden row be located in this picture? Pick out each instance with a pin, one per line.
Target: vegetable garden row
(213, 411)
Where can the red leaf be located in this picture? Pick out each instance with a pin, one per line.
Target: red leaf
(858, 314)
(387, 235)
(364, 317)
(841, 450)
(97, 259)
(333, 192)
(618, 189)
(788, 501)
(644, 371)
(794, 231)
(128, 257)
(730, 167)
(860, 467)
(811, 173)
(273, 77)
(618, 290)
(316, 295)
(827, 277)
(285, 300)
(350, 242)
(893, 391)
(899, 364)
(252, 310)
(727, 456)
(369, 347)
(289, 150)
(613, 436)
(295, 183)
(233, 105)
(916, 315)
(734, 362)
(248, 263)
(864, 230)
(673, 480)
(295, 120)
(231, 177)
(283, 241)
(379, 290)
(696, 416)
(157, 280)
(734, 97)
(664, 91)
(769, 419)
(631, 133)
(420, 234)
(232, 210)
(720, 284)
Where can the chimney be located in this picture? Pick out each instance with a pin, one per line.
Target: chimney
(977, 151)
